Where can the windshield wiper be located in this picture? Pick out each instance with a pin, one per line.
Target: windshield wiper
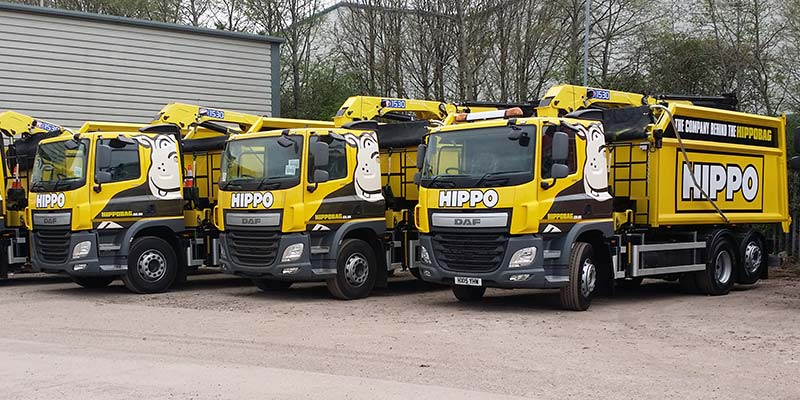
(443, 183)
(38, 185)
(265, 183)
(66, 181)
(491, 177)
(235, 183)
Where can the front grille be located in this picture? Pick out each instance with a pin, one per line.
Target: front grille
(257, 248)
(52, 245)
(469, 252)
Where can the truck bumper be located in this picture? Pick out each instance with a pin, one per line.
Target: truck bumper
(538, 275)
(300, 270)
(87, 266)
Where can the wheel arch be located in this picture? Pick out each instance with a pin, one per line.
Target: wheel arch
(370, 232)
(166, 229)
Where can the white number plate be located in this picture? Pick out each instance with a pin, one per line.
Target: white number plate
(460, 280)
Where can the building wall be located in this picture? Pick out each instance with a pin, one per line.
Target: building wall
(68, 67)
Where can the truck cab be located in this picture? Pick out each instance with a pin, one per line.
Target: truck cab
(293, 202)
(495, 194)
(97, 198)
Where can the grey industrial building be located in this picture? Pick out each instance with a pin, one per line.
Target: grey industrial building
(68, 67)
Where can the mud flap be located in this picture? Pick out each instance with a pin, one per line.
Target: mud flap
(4, 259)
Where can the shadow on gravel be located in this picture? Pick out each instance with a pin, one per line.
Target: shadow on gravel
(33, 279)
(403, 285)
(527, 300)
(205, 280)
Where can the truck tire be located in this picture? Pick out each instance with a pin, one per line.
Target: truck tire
(356, 270)
(271, 285)
(577, 295)
(720, 273)
(468, 294)
(93, 282)
(152, 266)
(752, 259)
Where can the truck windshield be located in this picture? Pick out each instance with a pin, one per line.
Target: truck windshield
(59, 166)
(265, 163)
(484, 157)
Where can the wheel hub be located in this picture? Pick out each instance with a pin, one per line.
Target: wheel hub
(151, 265)
(723, 267)
(588, 277)
(752, 257)
(356, 269)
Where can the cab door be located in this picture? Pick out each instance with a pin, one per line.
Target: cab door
(120, 193)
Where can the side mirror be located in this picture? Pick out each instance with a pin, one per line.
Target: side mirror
(102, 164)
(560, 147)
(320, 152)
(558, 171)
(794, 163)
(321, 176)
(421, 150)
(797, 139)
(417, 178)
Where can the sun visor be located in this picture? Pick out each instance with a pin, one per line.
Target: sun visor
(402, 134)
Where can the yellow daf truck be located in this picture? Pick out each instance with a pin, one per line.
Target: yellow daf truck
(20, 133)
(597, 186)
(326, 205)
(133, 203)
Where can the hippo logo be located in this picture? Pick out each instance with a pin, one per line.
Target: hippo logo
(163, 176)
(50, 200)
(367, 177)
(595, 169)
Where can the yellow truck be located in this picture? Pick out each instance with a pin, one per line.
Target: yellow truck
(597, 186)
(133, 201)
(326, 205)
(20, 134)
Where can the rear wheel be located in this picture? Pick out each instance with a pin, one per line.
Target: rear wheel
(152, 266)
(578, 293)
(271, 285)
(720, 273)
(468, 294)
(752, 259)
(93, 282)
(356, 270)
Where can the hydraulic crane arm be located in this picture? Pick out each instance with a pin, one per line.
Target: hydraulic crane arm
(16, 124)
(362, 108)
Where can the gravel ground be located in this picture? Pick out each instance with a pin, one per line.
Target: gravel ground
(218, 337)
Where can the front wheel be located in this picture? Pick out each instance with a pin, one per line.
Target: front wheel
(356, 269)
(578, 293)
(152, 266)
(93, 282)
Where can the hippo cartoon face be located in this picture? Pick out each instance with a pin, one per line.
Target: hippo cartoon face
(367, 177)
(163, 176)
(595, 170)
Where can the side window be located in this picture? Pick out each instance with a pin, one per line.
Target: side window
(547, 145)
(125, 164)
(337, 158)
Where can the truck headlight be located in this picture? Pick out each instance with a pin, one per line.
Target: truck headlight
(523, 257)
(82, 249)
(424, 256)
(292, 253)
